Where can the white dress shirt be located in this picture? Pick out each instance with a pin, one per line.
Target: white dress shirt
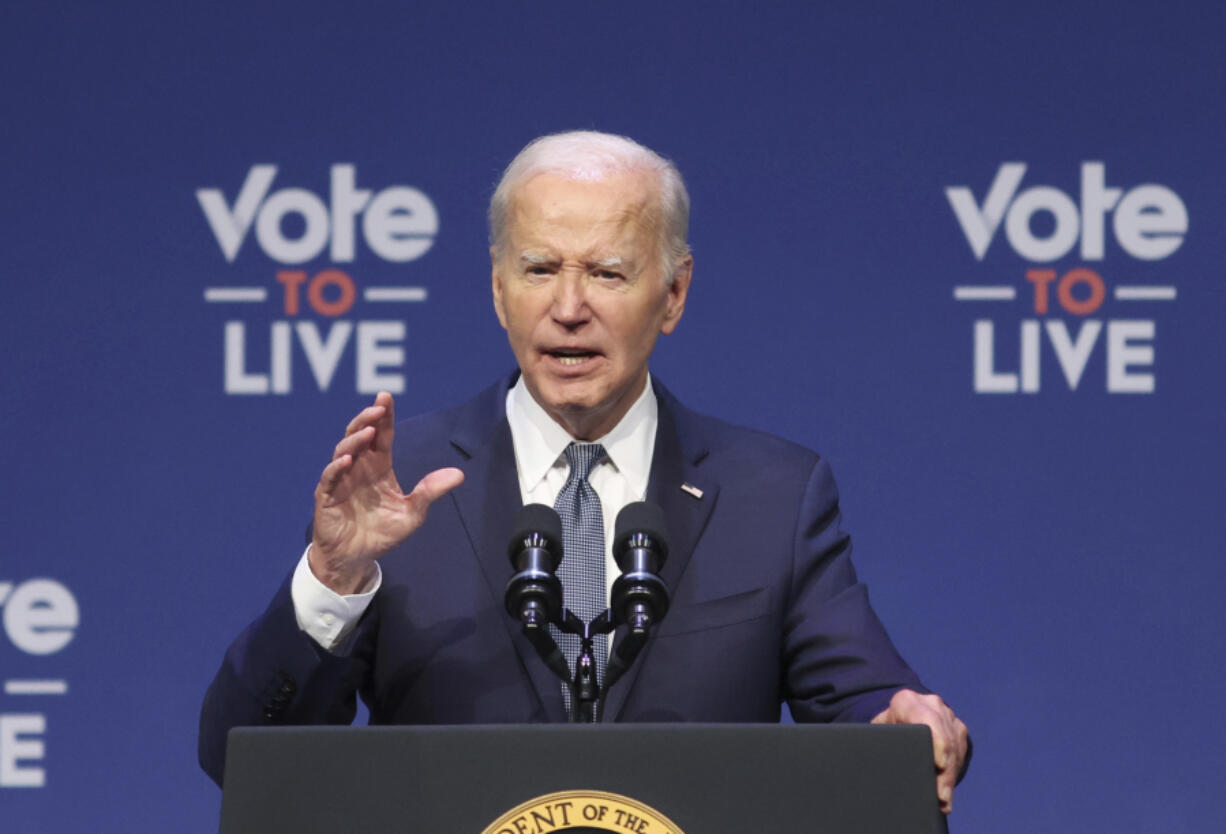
(540, 460)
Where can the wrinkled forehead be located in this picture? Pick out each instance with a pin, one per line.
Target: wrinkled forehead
(613, 206)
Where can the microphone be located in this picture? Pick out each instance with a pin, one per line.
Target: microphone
(639, 598)
(534, 593)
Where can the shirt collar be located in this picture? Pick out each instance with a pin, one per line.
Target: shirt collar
(540, 442)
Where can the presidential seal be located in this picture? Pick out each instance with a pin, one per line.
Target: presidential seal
(580, 811)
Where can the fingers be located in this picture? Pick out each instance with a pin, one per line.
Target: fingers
(368, 416)
(385, 427)
(352, 444)
(342, 459)
(945, 789)
(382, 416)
(941, 752)
(332, 474)
(949, 735)
(374, 426)
(434, 486)
(949, 749)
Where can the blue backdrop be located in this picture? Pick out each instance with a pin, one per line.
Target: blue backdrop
(914, 225)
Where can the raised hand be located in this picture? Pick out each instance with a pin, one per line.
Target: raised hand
(360, 510)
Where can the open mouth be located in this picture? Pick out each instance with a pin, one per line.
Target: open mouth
(571, 357)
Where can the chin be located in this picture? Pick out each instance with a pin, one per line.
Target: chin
(572, 408)
(576, 413)
(571, 395)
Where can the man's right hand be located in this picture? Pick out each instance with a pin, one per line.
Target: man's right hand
(360, 510)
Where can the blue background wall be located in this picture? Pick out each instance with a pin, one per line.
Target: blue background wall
(1049, 561)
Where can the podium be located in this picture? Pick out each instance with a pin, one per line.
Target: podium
(537, 779)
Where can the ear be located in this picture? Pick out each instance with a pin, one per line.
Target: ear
(677, 292)
(496, 287)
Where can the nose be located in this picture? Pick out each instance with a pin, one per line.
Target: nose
(570, 299)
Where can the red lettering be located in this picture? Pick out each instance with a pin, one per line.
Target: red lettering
(1081, 275)
(1040, 278)
(292, 279)
(336, 278)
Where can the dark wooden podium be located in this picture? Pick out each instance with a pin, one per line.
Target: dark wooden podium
(536, 779)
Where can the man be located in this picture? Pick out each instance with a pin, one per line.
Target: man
(589, 265)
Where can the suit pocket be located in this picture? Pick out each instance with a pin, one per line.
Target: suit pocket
(715, 613)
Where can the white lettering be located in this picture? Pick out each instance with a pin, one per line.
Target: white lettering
(980, 226)
(271, 236)
(379, 348)
(1022, 237)
(14, 749)
(987, 380)
(280, 357)
(1096, 201)
(347, 203)
(399, 223)
(40, 616)
(238, 381)
(230, 227)
(1150, 222)
(1030, 357)
(374, 355)
(1122, 353)
(323, 355)
(1073, 355)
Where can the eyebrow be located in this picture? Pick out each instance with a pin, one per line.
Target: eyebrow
(537, 259)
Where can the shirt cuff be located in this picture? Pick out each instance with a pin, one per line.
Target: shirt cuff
(328, 617)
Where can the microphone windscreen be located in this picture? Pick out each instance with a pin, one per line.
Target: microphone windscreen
(641, 517)
(536, 518)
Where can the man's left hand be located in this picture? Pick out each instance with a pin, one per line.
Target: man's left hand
(949, 737)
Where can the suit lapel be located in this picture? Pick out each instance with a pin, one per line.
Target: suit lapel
(487, 504)
(679, 449)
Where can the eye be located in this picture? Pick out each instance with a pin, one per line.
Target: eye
(609, 275)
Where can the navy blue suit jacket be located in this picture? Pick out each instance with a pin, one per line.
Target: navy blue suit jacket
(766, 607)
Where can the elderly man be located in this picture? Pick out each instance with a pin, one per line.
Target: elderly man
(589, 265)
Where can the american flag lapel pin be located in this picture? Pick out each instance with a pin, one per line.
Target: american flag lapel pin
(690, 489)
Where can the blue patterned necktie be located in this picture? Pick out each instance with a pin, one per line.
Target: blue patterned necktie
(582, 568)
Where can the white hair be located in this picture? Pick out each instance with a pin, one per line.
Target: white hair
(590, 155)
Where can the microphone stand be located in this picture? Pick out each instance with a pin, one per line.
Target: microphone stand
(585, 691)
(586, 694)
(533, 597)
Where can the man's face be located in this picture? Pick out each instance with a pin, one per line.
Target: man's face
(579, 289)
